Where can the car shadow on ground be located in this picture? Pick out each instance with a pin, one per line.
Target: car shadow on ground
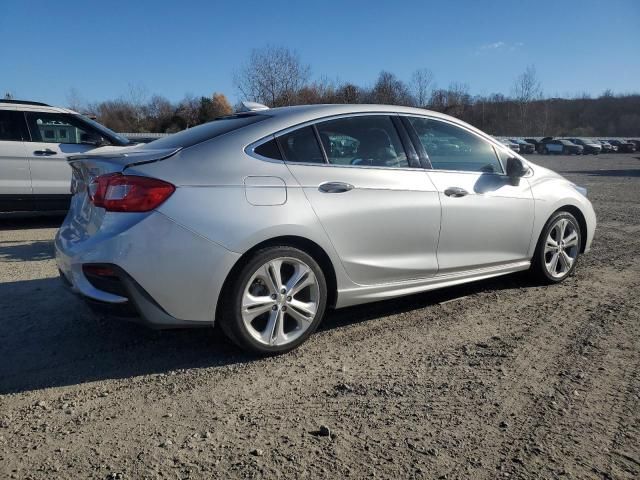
(19, 251)
(49, 338)
(24, 221)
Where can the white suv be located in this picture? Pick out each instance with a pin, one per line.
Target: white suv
(35, 139)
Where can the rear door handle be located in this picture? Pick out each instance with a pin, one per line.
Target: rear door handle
(335, 187)
(455, 192)
(46, 152)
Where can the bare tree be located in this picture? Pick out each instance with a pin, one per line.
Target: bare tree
(273, 76)
(455, 100)
(421, 86)
(526, 89)
(189, 110)
(390, 90)
(75, 100)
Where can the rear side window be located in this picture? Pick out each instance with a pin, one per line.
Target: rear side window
(301, 146)
(12, 126)
(453, 148)
(269, 150)
(363, 140)
(207, 131)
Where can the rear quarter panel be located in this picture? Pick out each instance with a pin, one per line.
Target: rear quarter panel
(217, 183)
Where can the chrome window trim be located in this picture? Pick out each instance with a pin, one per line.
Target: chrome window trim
(250, 149)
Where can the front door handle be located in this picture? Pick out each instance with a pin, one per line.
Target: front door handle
(45, 152)
(335, 187)
(455, 192)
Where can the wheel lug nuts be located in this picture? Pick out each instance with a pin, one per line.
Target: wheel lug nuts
(288, 299)
(274, 296)
(283, 291)
(274, 308)
(284, 308)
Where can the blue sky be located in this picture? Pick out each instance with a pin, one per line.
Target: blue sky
(173, 48)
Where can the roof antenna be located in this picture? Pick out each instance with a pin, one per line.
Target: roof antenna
(252, 107)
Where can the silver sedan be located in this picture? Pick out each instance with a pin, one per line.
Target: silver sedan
(263, 220)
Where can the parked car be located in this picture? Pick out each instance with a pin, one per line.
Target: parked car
(561, 146)
(525, 147)
(261, 227)
(614, 148)
(636, 143)
(623, 146)
(533, 141)
(606, 146)
(510, 144)
(35, 139)
(541, 143)
(588, 145)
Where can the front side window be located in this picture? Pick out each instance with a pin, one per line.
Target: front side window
(453, 148)
(61, 128)
(12, 126)
(363, 140)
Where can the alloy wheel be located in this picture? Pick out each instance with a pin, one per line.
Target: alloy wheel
(280, 301)
(561, 248)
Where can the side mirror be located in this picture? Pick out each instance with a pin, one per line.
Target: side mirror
(516, 168)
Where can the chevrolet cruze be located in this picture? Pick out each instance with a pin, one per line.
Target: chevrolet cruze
(261, 221)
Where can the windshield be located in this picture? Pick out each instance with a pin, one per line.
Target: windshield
(109, 134)
(207, 131)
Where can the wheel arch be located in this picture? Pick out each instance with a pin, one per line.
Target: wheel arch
(577, 213)
(308, 246)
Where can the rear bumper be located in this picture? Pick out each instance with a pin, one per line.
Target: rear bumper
(168, 276)
(134, 304)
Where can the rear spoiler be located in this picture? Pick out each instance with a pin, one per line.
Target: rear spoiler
(127, 158)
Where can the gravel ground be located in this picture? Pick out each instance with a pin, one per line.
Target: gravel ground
(502, 378)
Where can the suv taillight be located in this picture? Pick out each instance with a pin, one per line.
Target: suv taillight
(128, 193)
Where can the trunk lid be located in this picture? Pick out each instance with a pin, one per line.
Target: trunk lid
(98, 162)
(84, 220)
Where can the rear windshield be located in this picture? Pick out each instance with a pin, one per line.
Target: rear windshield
(207, 131)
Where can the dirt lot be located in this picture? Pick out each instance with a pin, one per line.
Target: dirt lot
(496, 379)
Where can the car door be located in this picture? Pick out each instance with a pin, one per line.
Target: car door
(555, 146)
(487, 218)
(377, 205)
(53, 137)
(15, 179)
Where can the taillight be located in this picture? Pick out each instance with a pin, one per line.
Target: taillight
(128, 193)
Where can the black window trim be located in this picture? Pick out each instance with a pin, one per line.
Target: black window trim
(325, 156)
(484, 137)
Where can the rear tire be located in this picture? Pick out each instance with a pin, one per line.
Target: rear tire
(558, 248)
(275, 302)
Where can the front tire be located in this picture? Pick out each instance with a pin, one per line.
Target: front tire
(558, 248)
(275, 302)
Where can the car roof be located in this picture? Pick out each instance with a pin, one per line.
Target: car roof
(28, 107)
(286, 117)
(321, 110)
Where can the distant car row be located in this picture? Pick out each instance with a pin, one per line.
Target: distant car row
(570, 146)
